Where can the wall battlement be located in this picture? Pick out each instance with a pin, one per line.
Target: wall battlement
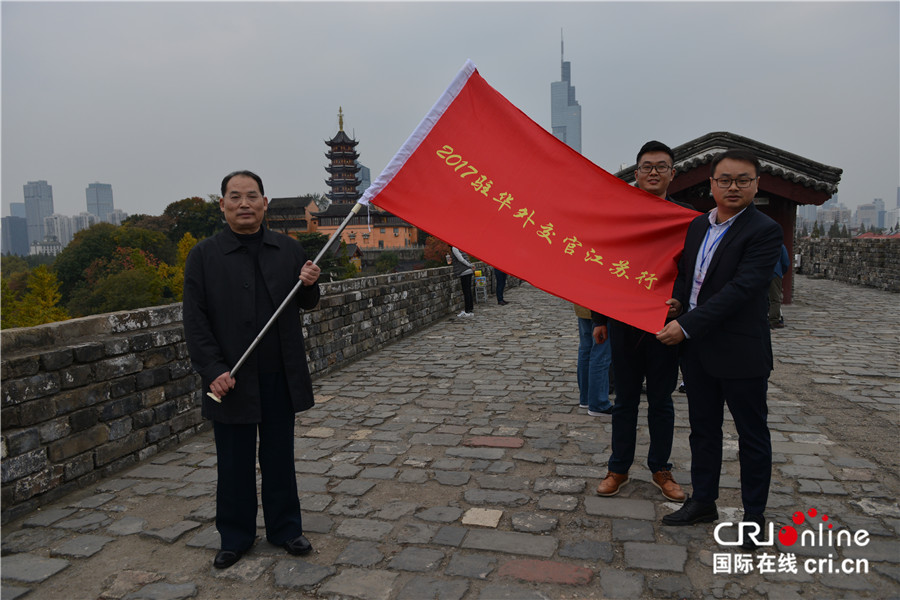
(85, 398)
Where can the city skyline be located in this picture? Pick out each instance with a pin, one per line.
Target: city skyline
(160, 100)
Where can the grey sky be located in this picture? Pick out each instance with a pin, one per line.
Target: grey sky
(162, 99)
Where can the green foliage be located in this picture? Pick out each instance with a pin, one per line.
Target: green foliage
(835, 230)
(387, 262)
(815, 231)
(201, 218)
(124, 290)
(39, 303)
(100, 241)
(313, 243)
(344, 269)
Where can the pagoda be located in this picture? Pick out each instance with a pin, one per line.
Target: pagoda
(343, 167)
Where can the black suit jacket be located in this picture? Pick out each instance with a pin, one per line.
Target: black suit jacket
(729, 330)
(219, 319)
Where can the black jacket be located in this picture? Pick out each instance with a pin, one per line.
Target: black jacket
(219, 319)
(729, 329)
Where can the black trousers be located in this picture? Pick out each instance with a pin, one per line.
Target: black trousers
(236, 450)
(746, 399)
(466, 283)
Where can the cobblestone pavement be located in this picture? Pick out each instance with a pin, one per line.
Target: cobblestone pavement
(457, 465)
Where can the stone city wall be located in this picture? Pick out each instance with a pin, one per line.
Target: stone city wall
(869, 262)
(88, 397)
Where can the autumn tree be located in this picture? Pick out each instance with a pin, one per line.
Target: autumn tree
(38, 305)
(435, 252)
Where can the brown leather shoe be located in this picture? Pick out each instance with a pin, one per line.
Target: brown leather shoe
(612, 483)
(667, 485)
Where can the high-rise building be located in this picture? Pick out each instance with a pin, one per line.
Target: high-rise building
(565, 112)
(38, 204)
(117, 216)
(14, 231)
(17, 209)
(100, 200)
(59, 227)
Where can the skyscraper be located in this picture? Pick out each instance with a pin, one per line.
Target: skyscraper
(100, 200)
(565, 112)
(38, 204)
(14, 233)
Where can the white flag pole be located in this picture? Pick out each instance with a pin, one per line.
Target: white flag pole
(286, 301)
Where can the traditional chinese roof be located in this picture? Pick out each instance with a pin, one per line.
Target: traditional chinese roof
(297, 203)
(341, 137)
(780, 163)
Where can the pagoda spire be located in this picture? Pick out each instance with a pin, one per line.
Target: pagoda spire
(340, 118)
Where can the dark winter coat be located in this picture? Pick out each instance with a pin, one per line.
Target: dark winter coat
(220, 324)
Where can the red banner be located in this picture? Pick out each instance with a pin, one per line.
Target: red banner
(482, 176)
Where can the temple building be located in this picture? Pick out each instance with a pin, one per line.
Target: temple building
(292, 215)
(787, 181)
(372, 227)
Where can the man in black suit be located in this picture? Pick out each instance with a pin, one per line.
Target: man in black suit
(721, 295)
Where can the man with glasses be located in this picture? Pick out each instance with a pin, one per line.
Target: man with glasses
(637, 355)
(720, 297)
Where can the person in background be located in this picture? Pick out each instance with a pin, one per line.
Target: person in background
(776, 292)
(593, 367)
(500, 278)
(463, 269)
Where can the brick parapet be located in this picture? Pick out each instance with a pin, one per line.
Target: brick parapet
(85, 398)
(860, 261)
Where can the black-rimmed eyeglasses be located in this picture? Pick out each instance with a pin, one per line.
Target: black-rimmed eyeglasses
(647, 167)
(742, 182)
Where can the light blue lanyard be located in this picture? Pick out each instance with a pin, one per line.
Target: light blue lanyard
(704, 254)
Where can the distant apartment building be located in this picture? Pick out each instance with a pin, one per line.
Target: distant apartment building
(38, 205)
(117, 216)
(14, 231)
(59, 227)
(871, 215)
(49, 246)
(565, 112)
(100, 200)
(827, 215)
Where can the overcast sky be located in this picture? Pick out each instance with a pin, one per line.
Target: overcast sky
(162, 99)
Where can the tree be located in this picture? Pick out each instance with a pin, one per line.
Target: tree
(201, 218)
(835, 230)
(387, 262)
(39, 304)
(816, 234)
(844, 232)
(313, 243)
(435, 252)
(130, 278)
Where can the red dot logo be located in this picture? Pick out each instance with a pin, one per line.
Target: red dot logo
(787, 535)
(812, 512)
(798, 518)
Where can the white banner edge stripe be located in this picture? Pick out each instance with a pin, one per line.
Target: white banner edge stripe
(419, 133)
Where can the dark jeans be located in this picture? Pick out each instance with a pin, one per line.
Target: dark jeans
(236, 503)
(746, 399)
(636, 355)
(592, 369)
(466, 282)
(501, 284)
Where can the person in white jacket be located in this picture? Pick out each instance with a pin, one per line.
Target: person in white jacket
(463, 269)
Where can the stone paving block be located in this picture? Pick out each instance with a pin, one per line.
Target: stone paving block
(379, 473)
(172, 532)
(295, 573)
(545, 571)
(494, 442)
(510, 542)
(559, 485)
(377, 459)
(416, 559)
(440, 514)
(534, 522)
(395, 510)
(85, 522)
(353, 487)
(47, 517)
(164, 591)
(588, 550)
(317, 523)
(360, 554)
(30, 568)
(630, 530)
(170, 472)
(82, 546)
(506, 591)
(482, 517)
(501, 482)
(413, 476)
(659, 557)
(671, 586)
(617, 583)
(481, 453)
(364, 529)
(473, 566)
(361, 584)
(620, 508)
(248, 569)
(435, 439)
(580, 472)
(344, 470)
(12, 592)
(428, 588)
(207, 538)
(414, 533)
(26, 540)
(93, 501)
(449, 535)
(480, 497)
(557, 502)
(455, 478)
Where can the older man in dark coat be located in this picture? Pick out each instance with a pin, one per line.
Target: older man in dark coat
(233, 282)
